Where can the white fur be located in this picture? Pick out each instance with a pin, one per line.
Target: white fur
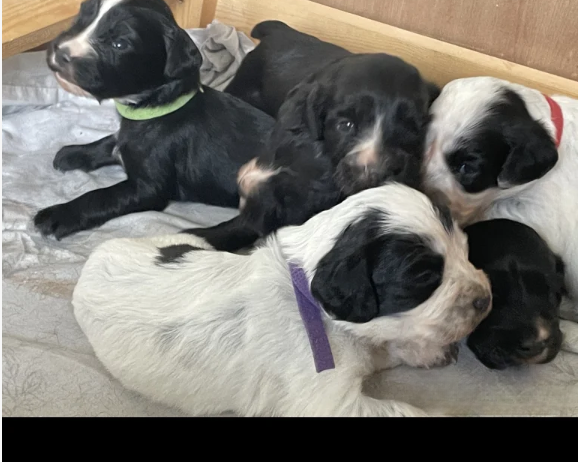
(218, 332)
(81, 44)
(549, 205)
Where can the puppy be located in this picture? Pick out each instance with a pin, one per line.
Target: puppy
(356, 123)
(283, 58)
(500, 150)
(381, 279)
(527, 285)
(178, 140)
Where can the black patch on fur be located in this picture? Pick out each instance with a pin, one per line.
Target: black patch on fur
(507, 148)
(369, 273)
(174, 253)
(527, 281)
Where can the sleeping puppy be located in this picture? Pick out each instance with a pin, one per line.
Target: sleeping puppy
(527, 284)
(354, 124)
(283, 58)
(500, 150)
(293, 328)
(178, 140)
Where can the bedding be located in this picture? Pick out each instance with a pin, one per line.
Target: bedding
(49, 368)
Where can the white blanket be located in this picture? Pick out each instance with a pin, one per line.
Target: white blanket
(49, 368)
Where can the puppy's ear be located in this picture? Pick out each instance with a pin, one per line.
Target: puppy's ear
(342, 284)
(304, 110)
(532, 153)
(183, 57)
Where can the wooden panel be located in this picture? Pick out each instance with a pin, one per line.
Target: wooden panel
(27, 24)
(438, 61)
(542, 34)
(188, 13)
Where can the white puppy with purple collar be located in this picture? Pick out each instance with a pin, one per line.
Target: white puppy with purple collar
(502, 150)
(293, 328)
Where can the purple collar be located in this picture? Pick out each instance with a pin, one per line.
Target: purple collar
(311, 314)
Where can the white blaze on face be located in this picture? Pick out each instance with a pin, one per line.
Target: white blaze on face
(80, 45)
(366, 152)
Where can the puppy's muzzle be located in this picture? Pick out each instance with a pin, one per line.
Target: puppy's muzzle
(541, 349)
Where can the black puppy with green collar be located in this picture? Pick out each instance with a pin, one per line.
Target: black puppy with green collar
(178, 140)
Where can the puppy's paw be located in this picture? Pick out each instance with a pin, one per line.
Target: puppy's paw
(72, 158)
(58, 220)
(444, 356)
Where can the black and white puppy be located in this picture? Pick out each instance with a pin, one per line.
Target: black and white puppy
(354, 124)
(209, 331)
(527, 281)
(283, 58)
(501, 150)
(192, 147)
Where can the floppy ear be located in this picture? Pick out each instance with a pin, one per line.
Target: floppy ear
(342, 281)
(342, 284)
(304, 110)
(532, 154)
(183, 57)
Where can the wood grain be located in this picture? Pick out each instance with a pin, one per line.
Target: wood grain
(187, 13)
(27, 24)
(438, 61)
(542, 34)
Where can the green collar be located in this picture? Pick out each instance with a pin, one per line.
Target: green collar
(148, 113)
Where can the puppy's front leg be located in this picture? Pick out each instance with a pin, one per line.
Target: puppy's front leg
(97, 207)
(423, 355)
(87, 157)
(229, 236)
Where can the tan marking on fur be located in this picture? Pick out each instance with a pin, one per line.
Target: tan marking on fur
(251, 175)
(71, 87)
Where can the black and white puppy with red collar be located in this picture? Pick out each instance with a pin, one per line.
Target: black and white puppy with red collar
(502, 150)
(354, 124)
(178, 140)
(293, 328)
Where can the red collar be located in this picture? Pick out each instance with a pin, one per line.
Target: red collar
(557, 118)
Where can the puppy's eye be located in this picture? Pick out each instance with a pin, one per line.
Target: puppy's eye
(345, 126)
(466, 169)
(120, 44)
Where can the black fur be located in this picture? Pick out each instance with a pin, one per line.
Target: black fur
(507, 148)
(309, 146)
(174, 253)
(192, 154)
(527, 286)
(283, 58)
(369, 274)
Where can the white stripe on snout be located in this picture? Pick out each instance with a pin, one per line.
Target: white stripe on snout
(367, 150)
(80, 45)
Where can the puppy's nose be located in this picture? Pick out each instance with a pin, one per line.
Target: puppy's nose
(531, 349)
(482, 303)
(62, 55)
